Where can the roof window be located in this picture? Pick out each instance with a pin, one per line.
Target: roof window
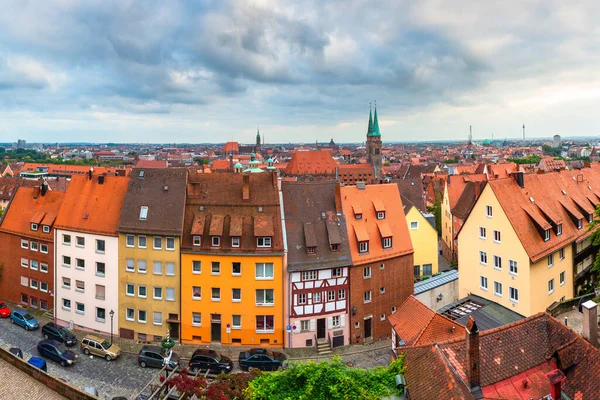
(141, 175)
(143, 213)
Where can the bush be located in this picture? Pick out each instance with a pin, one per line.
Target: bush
(326, 381)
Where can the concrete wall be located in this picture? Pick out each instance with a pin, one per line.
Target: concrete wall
(61, 387)
(449, 293)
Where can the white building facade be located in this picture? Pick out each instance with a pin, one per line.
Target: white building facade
(86, 280)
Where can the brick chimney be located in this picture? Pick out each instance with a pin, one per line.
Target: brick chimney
(338, 198)
(472, 370)
(556, 378)
(246, 187)
(590, 322)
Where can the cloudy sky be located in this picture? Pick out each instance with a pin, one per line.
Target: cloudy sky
(211, 71)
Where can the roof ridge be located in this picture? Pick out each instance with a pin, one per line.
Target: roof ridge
(449, 366)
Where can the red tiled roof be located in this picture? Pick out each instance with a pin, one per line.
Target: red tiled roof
(151, 164)
(311, 163)
(91, 206)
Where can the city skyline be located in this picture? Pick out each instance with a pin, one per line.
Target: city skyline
(211, 72)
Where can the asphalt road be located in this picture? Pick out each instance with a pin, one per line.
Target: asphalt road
(121, 377)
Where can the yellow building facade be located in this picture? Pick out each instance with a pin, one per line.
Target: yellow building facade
(425, 243)
(494, 264)
(232, 299)
(149, 286)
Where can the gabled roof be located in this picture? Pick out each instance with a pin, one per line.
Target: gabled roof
(388, 194)
(412, 189)
(313, 204)
(162, 190)
(311, 163)
(27, 203)
(456, 185)
(151, 164)
(91, 206)
(417, 324)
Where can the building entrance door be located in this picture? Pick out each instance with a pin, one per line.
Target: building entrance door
(321, 328)
(215, 328)
(368, 328)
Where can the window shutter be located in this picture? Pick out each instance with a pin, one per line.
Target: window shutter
(312, 325)
(342, 321)
(329, 323)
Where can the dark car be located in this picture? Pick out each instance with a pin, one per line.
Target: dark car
(59, 333)
(155, 356)
(56, 351)
(263, 359)
(17, 352)
(206, 359)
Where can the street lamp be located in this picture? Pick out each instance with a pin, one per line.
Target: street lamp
(112, 314)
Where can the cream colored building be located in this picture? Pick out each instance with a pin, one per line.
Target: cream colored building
(525, 242)
(425, 242)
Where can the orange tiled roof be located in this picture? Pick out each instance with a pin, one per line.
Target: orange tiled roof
(25, 206)
(388, 194)
(231, 147)
(93, 207)
(311, 163)
(416, 324)
(151, 164)
(220, 165)
(545, 200)
(457, 183)
(65, 169)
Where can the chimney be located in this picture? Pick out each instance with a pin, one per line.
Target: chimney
(556, 379)
(100, 179)
(338, 198)
(473, 373)
(44, 188)
(360, 185)
(520, 179)
(90, 172)
(246, 187)
(590, 322)
(274, 178)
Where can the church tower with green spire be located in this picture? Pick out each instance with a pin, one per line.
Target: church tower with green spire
(257, 147)
(374, 146)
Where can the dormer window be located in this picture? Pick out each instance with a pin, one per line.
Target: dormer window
(358, 216)
(311, 250)
(215, 241)
(579, 223)
(590, 218)
(558, 229)
(235, 241)
(381, 215)
(45, 229)
(547, 234)
(143, 213)
(335, 247)
(34, 227)
(363, 247)
(197, 240)
(386, 242)
(263, 241)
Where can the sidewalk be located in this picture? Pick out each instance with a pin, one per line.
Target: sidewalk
(185, 351)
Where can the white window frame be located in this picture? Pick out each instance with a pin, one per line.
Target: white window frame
(127, 287)
(142, 321)
(367, 297)
(483, 258)
(235, 241)
(562, 278)
(33, 283)
(33, 246)
(42, 284)
(483, 283)
(212, 292)
(558, 229)
(215, 241)
(33, 265)
(45, 229)
(309, 276)
(66, 307)
(142, 271)
(233, 273)
(387, 242)
(154, 242)
(79, 238)
(497, 237)
(199, 315)
(561, 254)
(482, 233)
(551, 286)
(64, 281)
(127, 267)
(496, 286)
(363, 247)
(145, 239)
(489, 211)
(43, 248)
(167, 243)
(233, 299)
(132, 237)
(414, 225)
(154, 315)
(497, 263)
(380, 214)
(302, 298)
(513, 267)
(142, 296)
(44, 267)
(154, 270)
(338, 272)
(341, 294)
(143, 213)
(167, 297)
(336, 321)
(64, 241)
(24, 244)
(546, 235)
(264, 277)
(551, 260)
(194, 264)
(81, 268)
(154, 296)
(98, 250)
(34, 227)
(263, 241)
(127, 314)
(511, 292)
(77, 310)
(196, 240)
(194, 297)
(264, 302)
(236, 325)
(367, 273)
(212, 267)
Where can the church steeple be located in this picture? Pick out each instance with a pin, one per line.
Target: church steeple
(257, 146)
(376, 124)
(370, 128)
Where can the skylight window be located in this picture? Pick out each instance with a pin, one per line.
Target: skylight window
(144, 213)
(141, 175)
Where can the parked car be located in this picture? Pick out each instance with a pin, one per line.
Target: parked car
(4, 310)
(263, 359)
(56, 351)
(154, 356)
(206, 359)
(100, 347)
(59, 333)
(24, 319)
(39, 363)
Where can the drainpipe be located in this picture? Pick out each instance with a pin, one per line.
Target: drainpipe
(285, 274)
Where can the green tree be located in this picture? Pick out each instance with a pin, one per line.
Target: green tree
(595, 237)
(326, 381)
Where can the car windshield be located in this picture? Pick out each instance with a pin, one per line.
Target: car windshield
(61, 349)
(106, 344)
(217, 357)
(2, 305)
(28, 317)
(62, 331)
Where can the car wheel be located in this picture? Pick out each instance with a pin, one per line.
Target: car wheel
(143, 364)
(108, 357)
(86, 351)
(46, 336)
(223, 370)
(63, 363)
(26, 327)
(194, 370)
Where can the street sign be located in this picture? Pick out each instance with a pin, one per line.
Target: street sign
(288, 328)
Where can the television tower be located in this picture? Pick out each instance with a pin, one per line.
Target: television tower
(470, 135)
(523, 131)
